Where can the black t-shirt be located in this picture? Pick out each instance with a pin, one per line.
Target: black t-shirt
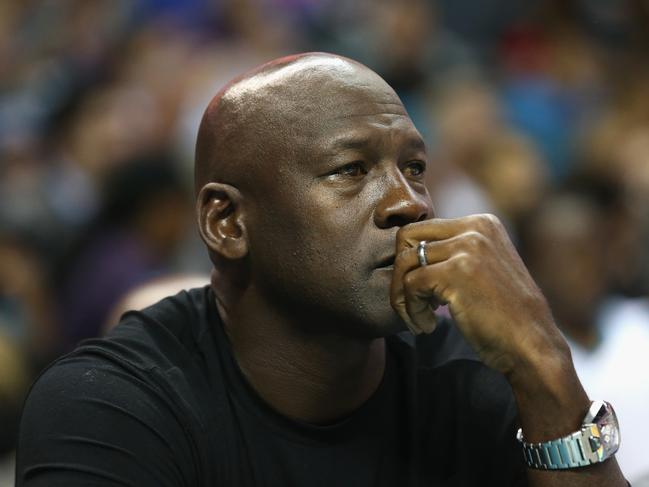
(161, 402)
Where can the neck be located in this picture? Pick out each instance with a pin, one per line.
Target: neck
(315, 378)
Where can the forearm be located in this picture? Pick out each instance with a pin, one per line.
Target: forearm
(552, 403)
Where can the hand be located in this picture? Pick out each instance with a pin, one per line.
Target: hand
(474, 268)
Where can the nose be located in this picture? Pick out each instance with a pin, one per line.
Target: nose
(402, 204)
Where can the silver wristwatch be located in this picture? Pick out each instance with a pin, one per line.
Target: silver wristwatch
(597, 440)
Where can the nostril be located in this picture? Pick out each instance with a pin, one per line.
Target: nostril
(397, 221)
(400, 208)
(402, 216)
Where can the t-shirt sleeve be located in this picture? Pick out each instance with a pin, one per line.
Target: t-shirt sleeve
(88, 422)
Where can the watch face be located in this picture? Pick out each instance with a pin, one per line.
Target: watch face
(605, 433)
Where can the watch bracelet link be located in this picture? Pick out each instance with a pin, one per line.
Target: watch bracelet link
(571, 451)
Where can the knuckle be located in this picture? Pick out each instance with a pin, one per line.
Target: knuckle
(490, 221)
(475, 240)
(466, 264)
(409, 282)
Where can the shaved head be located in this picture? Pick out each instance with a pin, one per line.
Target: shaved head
(305, 169)
(267, 110)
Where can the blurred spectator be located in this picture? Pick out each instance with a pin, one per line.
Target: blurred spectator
(27, 317)
(402, 40)
(513, 174)
(465, 116)
(474, 137)
(552, 82)
(454, 193)
(612, 370)
(151, 292)
(145, 217)
(565, 249)
(615, 151)
(14, 379)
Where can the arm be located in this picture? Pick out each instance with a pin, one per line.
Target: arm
(88, 422)
(473, 267)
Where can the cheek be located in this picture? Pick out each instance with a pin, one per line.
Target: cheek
(314, 240)
(320, 258)
(333, 234)
(316, 216)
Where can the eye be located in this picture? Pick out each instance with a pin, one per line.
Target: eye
(415, 169)
(353, 169)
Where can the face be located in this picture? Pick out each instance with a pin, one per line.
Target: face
(323, 225)
(567, 257)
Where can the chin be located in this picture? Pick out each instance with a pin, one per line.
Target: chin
(381, 326)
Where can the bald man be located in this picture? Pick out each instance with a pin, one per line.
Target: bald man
(316, 357)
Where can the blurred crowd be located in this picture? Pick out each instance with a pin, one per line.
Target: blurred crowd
(536, 111)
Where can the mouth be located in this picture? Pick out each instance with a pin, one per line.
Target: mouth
(386, 263)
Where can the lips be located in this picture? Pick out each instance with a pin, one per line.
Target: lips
(387, 262)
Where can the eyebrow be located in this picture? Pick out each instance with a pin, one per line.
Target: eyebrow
(347, 142)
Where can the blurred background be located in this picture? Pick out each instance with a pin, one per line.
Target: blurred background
(537, 111)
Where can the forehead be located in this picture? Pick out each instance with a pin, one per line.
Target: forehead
(316, 96)
(358, 118)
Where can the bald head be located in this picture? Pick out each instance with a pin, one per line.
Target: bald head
(265, 113)
(305, 167)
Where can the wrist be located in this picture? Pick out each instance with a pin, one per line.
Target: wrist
(551, 400)
(596, 441)
(542, 357)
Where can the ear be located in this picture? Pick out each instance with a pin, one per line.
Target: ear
(221, 220)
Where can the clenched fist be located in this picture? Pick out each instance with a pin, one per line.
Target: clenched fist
(474, 268)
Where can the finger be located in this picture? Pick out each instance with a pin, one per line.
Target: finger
(410, 235)
(408, 260)
(422, 297)
(434, 251)
(398, 302)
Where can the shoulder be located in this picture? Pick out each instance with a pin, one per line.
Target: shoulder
(136, 394)
(168, 334)
(161, 351)
(74, 388)
(184, 315)
(87, 418)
